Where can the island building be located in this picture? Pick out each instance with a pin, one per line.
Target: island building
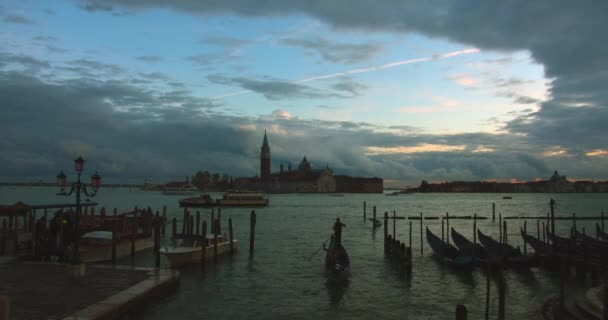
(304, 178)
(555, 184)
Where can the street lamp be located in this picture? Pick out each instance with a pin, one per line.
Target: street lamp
(78, 187)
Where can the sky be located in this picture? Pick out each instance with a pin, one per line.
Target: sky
(403, 90)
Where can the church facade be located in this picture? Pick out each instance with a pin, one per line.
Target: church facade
(303, 179)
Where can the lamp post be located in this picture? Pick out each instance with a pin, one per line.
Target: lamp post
(78, 187)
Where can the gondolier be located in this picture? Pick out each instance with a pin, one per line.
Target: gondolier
(338, 230)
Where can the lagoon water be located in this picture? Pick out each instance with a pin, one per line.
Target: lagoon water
(282, 281)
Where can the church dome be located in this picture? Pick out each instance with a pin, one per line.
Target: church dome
(304, 164)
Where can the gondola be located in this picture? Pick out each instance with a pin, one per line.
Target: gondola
(506, 253)
(592, 245)
(337, 259)
(540, 247)
(602, 235)
(479, 253)
(461, 259)
(377, 223)
(543, 251)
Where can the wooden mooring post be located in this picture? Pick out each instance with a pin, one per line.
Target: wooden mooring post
(410, 245)
(461, 312)
(544, 233)
(114, 240)
(488, 273)
(493, 211)
(230, 234)
(215, 242)
(394, 224)
(475, 229)
(447, 227)
(602, 218)
(374, 218)
(198, 222)
(252, 221)
(500, 228)
(133, 236)
(504, 233)
(442, 231)
(385, 232)
(525, 243)
(219, 220)
(574, 221)
(212, 226)
(552, 205)
(157, 243)
(204, 246)
(538, 229)
(421, 236)
(185, 222)
(364, 209)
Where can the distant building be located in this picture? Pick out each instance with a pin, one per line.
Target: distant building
(305, 179)
(555, 184)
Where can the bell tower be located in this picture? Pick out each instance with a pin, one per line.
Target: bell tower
(265, 159)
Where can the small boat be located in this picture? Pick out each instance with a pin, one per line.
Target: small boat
(243, 199)
(336, 259)
(204, 200)
(96, 246)
(188, 249)
(396, 193)
(377, 223)
(600, 234)
(336, 195)
(461, 259)
(507, 197)
(479, 253)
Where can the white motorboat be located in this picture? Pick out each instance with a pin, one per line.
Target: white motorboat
(189, 250)
(96, 246)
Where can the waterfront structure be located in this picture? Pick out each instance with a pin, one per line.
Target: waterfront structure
(304, 179)
(555, 184)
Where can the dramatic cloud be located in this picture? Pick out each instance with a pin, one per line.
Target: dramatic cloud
(336, 52)
(149, 58)
(274, 89)
(223, 41)
(129, 133)
(564, 36)
(348, 85)
(130, 128)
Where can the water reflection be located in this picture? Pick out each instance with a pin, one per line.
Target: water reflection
(337, 285)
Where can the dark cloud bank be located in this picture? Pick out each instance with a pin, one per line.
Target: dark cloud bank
(133, 132)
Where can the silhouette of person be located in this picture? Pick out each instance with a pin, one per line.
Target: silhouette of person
(338, 230)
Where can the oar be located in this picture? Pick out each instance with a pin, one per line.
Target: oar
(319, 248)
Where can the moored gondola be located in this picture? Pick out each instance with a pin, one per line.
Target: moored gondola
(506, 253)
(479, 253)
(461, 259)
(600, 234)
